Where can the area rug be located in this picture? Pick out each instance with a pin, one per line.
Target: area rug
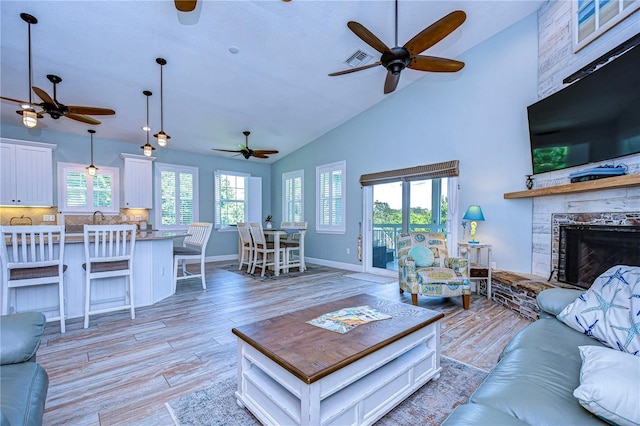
(430, 405)
(372, 278)
(311, 270)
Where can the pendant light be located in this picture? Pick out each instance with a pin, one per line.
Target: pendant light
(29, 115)
(91, 169)
(162, 137)
(147, 149)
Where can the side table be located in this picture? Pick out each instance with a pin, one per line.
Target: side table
(478, 270)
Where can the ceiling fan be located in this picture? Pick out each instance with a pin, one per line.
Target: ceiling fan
(51, 105)
(408, 56)
(248, 152)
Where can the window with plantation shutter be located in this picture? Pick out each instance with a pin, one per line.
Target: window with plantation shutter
(82, 193)
(176, 200)
(330, 194)
(238, 198)
(293, 196)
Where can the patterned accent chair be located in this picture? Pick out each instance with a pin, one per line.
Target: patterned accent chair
(426, 269)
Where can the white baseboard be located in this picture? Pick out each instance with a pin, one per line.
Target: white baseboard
(332, 264)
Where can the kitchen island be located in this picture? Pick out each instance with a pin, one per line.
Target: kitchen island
(152, 278)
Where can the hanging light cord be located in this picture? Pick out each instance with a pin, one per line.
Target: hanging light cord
(30, 67)
(161, 103)
(149, 130)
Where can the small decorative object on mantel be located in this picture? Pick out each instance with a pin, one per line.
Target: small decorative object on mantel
(268, 220)
(529, 182)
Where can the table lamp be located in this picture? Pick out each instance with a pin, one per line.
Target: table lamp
(474, 213)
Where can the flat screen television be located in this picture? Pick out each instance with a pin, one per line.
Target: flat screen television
(594, 119)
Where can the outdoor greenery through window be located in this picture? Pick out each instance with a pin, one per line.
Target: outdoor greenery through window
(231, 191)
(330, 190)
(293, 196)
(177, 193)
(82, 193)
(594, 17)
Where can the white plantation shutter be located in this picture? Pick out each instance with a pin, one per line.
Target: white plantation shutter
(292, 196)
(330, 189)
(176, 200)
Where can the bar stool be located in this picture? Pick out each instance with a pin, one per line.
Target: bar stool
(108, 253)
(292, 245)
(193, 248)
(264, 248)
(32, 256)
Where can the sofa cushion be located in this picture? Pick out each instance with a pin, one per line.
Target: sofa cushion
(24, 391)
(475, 414)
(20, 336)
(609, 385)
(608, 311)
(552, 336)
(554, 300)
(536, 386)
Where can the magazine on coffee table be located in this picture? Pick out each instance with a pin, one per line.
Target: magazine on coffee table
(347, 319)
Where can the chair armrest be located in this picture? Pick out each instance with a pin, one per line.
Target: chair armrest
(20, 336)
(459, 264)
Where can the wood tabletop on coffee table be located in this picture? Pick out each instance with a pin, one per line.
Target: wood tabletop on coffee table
(311, 353)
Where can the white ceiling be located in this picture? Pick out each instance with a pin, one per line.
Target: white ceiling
(276, 86)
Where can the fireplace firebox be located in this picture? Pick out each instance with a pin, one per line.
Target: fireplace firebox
(586, 251)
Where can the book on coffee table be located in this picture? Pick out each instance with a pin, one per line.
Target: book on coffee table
(343, 320)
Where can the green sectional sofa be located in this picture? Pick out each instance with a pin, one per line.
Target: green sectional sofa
(23, 382)
(536, 376)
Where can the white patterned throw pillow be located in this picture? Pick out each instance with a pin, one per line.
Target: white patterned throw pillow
(610, 310)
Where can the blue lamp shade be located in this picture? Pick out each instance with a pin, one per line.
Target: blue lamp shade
(473, 213)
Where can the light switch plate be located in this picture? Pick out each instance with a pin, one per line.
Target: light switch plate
(124, 218)
(48, 218)
(132, 218)
(138, 218)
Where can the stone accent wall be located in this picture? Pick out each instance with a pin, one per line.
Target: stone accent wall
(557, 61)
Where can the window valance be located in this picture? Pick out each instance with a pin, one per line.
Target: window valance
(428, 171)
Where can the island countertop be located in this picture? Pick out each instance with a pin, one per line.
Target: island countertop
(71, 238)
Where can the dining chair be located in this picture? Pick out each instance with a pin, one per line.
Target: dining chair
(246, 245)
(194, 247)
(33, 256)
(108, 253)
(292, 246)
(264, 248)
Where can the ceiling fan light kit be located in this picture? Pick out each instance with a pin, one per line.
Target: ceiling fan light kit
(147, 149)
(91, 169)
(162, 137)
(395, 59)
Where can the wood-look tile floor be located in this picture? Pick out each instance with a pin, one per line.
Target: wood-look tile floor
(123, 371)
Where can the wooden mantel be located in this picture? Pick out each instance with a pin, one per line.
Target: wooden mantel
(624, 181)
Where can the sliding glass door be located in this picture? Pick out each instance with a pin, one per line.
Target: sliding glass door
(401, 206)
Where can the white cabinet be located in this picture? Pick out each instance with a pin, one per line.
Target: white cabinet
(138, 178)
(26, 173)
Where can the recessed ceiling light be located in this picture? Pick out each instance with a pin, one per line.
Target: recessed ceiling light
(234, 49)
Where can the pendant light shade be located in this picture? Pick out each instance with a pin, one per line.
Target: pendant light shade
(162, 137)
(29, 115)
(91, 169)
(147, 149)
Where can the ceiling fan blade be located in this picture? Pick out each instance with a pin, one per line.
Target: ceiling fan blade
(435, 32)
(368, 37)
(225, 150)
(82, 118)
(258, 154)
(364, 67)
(185, 5)
(44, 96)
(435, 64)
(90, 110)
(265, 151)
(391, 82)
(14, 100)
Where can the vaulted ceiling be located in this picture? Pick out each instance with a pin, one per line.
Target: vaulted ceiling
(231, 65)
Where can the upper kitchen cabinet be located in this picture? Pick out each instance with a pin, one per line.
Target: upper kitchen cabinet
(26, 173)
(138, 178)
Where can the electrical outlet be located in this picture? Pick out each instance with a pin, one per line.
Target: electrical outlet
(132, 218)
(348, 250)
(124, 218)
(48, 218)
(493, 265)
(138, 218)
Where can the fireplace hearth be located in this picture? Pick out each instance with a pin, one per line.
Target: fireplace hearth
(586, 251)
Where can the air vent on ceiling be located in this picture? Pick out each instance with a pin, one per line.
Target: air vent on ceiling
(358, 58)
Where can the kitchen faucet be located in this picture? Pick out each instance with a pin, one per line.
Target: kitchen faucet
(94, 216)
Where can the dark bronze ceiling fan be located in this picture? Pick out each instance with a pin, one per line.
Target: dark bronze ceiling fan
(248, 152)
(408, 56)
